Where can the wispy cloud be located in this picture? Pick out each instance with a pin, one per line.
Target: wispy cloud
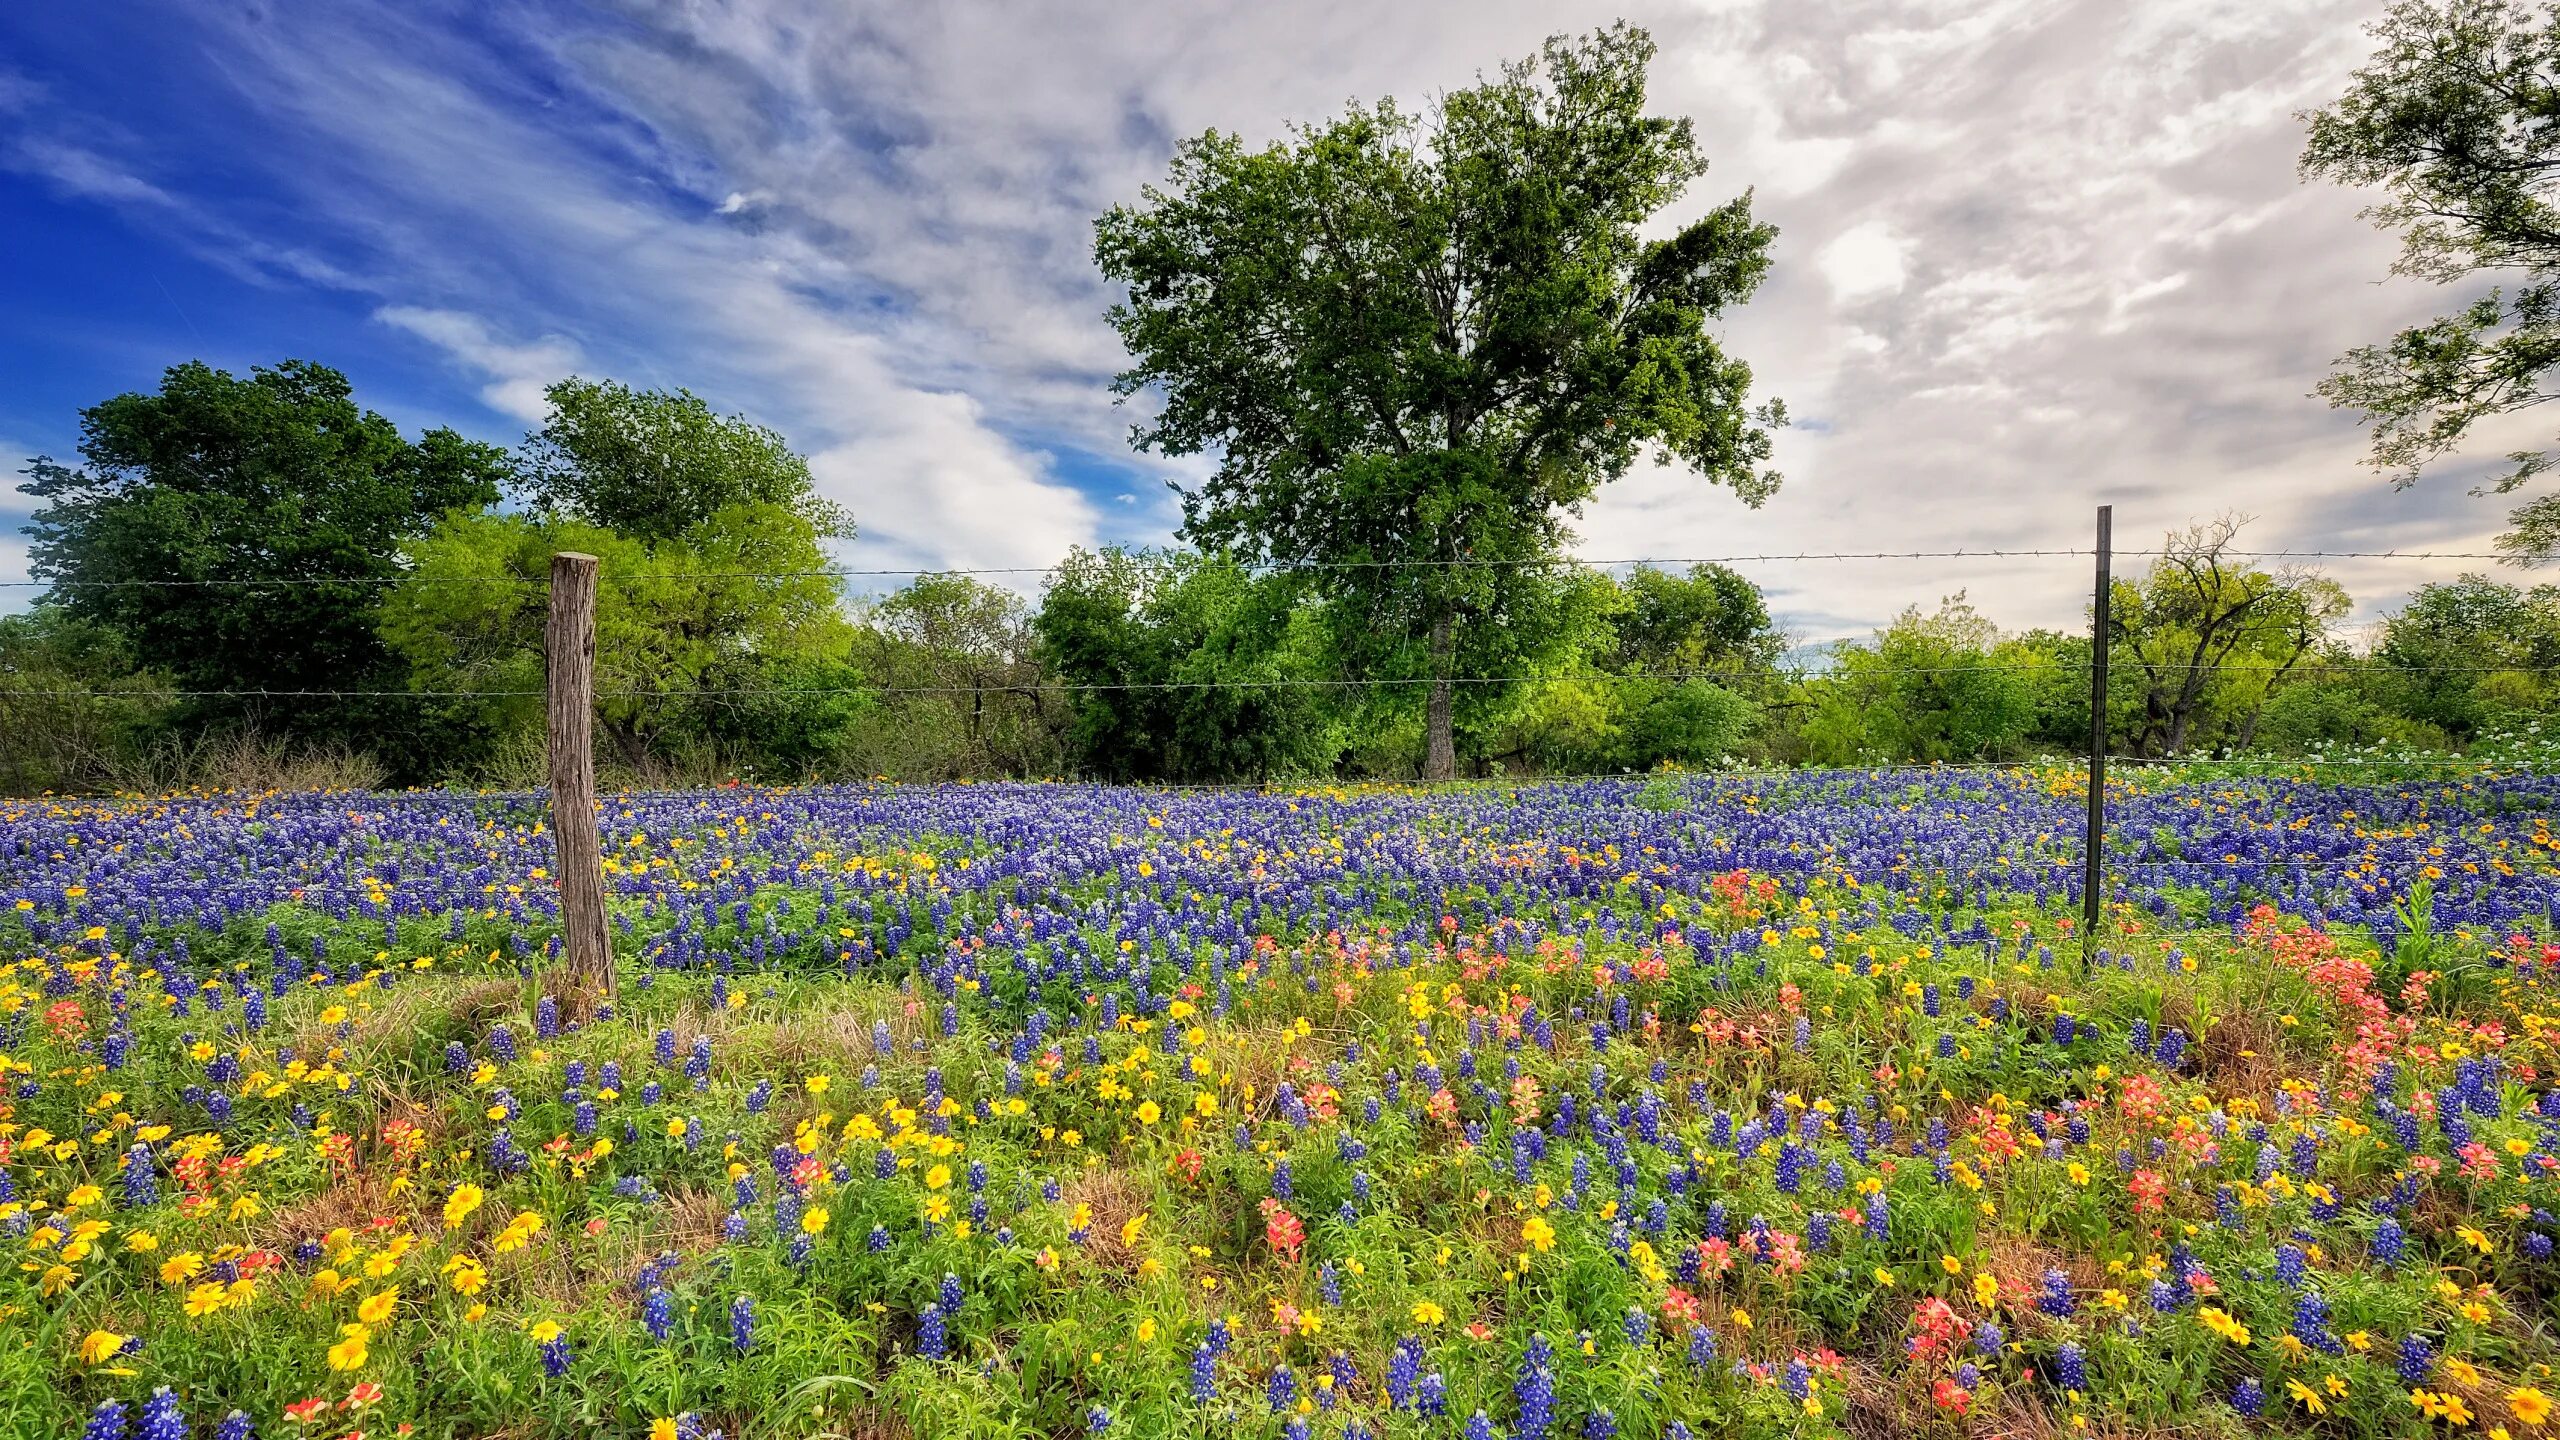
(517, 373)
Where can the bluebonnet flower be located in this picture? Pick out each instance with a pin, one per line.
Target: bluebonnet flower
(2311, 1324)
(161, 1417)
(1535, 1390)
(1431, 1397)
(1281, 1390)
(657, 1312)
(1404, 1367)
(2070, 1369)
(2390, 1242)
(107, 1422)
(2055, 1298)
(2249, 1397)
(742, 1323)
(931, 1338)
(555, 1356)
(2417, 1359)
(2171, 1050)
(1096, 1420)
(141, 1185)
(234, 1426)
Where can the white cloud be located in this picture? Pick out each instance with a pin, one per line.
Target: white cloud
(2033, 254)
(483, 211)
(15, 509)
(518, 374)
(1864, 262)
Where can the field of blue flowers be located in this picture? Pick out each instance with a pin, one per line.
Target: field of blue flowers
(1767, 1105)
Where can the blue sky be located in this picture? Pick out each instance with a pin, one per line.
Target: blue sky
(2034, 254)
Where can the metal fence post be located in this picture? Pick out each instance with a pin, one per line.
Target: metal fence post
(2093, 870)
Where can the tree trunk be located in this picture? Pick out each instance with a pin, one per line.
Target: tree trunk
(1439, 733)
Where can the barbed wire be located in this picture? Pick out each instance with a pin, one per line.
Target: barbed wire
(1458, 563)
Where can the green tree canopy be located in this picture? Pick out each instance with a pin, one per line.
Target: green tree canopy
(75, 709)
(1931, 686)
(963, 693)
(2453, 119)
(2464, 655)
(1711, 618)
(1186, 667)
(653, 464)
(189, 493)
(2206, 638)
(1418, 343)
(723, 646)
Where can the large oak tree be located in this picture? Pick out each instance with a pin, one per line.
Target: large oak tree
(1418, 342)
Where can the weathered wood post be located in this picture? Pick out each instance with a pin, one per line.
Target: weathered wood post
(569, 654)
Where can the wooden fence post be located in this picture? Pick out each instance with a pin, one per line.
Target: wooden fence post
(569, 653)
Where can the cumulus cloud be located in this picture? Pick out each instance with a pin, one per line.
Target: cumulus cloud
(1863, 261)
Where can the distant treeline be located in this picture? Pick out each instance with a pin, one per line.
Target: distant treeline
(255, 579)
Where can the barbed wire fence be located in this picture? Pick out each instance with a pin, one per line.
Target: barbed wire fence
(570, 716)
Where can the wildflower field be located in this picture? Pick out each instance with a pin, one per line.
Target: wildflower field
(1718, 1105)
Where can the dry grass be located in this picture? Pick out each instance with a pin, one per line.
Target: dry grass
(355, 1199)
(2020, 1265)
(1116, 1196)
(246, 761)
(2243, 1054)
(840, 1037)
